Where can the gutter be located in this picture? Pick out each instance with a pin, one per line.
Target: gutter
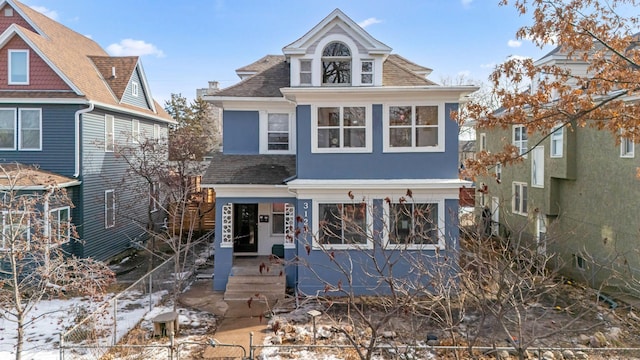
(77, 129)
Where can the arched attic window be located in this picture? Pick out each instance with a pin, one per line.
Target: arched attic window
(336, 64)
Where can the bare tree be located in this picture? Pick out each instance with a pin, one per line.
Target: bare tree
(36, 225)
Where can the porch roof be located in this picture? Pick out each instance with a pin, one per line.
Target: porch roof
(250, 169)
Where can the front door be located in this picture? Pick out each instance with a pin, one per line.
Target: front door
(245, 228)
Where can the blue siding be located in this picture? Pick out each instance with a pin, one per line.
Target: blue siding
(377, 164)
(241, 131)
(141, 99)
(321, 270)
(58, 140)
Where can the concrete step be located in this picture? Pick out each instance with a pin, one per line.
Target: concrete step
(256, 279)
(265, 269)
(244, 287)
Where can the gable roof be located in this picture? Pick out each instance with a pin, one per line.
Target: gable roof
(69, 53)
(250, 169)
(372, 45)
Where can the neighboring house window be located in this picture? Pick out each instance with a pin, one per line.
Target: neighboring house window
(519, 202)
(537, 167)
(413, 224)
(109, 209)
(305, 72)
(154, 195)
(627, 148)
(413, 127)
(7, 129)
(18, 67)
(520, 139)
(16, 226)
(499, 172)
(557, 141)
(30, 125)
(366, 76)
(277, 218)
(60, 225)
(342, 224)
(156, 131)
(109, 140)
(336, 64)
(278, 131)
(134, 89)
(344, 127)
(483, 142)
(135, 131)
(580, 263)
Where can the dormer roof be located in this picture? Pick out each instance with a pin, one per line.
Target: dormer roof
(337, 19)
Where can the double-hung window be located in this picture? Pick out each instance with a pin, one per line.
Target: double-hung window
(59, 225)
(557, 141)
(519, 199)
(537, 166)
(109, 136)
(30, 125)
(305, 72)
(627, 148)
(413, 128)
(342, 128)
(7, 129)
(414, 224)
(520, 139)
(278, 132)
(109, 209)
(366, 72)
(16, 230)
(18, 67)
(342, 224)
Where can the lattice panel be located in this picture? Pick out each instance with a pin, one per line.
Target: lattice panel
(289, 225)
(227, 225)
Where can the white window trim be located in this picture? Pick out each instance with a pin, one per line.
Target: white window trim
(39, 148)
(107, 225)
(316, 73)
(68, 235)
(134, 89)
(310, 72)
(109, 146)
(513, 198)
(441, 128)
(557, 136)
(537, 166)
(10, 65)
(15, 128)
(521, 151)
(264, 131)
(3, 246)
(372, 72)
(499, 172)
(343, 150)
(135, 131)
(441, 227)
(483, 142)
(623, 148)
(316, 226)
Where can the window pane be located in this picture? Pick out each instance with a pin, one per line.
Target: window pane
(305, 65)
(427, 136)
(425, 218)
(366, 79)
(354, 116)
(30, 129)
(354, 138)
(354, 222)
(336, 49)
(367, 66)
(400, 137)
(336, 72)
(400, 223)
(329, 116)
(18, 67)
(277, 224)
(328, 138)
(278, 122)
(7, 129)
(330, 223)
(426, 115)
(399, 115)
(305, 78)
(516, 198)
(524, 199)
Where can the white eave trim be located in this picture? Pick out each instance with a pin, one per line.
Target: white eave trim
(382, 184)
(249, 190)
(378, 93)
(133, 112)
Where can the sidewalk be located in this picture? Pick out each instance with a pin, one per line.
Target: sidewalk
(234, 331)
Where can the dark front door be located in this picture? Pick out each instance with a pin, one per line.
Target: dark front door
(245, 228)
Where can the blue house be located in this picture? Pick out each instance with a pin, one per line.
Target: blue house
(65, 107)
(320, 144)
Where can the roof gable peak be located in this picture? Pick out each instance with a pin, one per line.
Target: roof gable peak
(336, 18)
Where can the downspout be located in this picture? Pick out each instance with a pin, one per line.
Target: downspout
(77, 129)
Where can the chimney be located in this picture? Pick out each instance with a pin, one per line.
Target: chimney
(113, 72)
(213, 85)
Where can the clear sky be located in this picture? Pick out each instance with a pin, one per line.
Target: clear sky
(186, 43)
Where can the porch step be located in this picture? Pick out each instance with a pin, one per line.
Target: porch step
(264, 268)
(255, 287)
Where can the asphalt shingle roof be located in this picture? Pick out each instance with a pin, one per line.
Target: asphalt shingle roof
(250, 169)
(266, 83)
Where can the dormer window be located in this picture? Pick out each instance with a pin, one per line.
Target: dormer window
(305, 72)
(366, 73)
(336, 64)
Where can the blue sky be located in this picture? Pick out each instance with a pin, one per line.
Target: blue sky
(184, 44)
